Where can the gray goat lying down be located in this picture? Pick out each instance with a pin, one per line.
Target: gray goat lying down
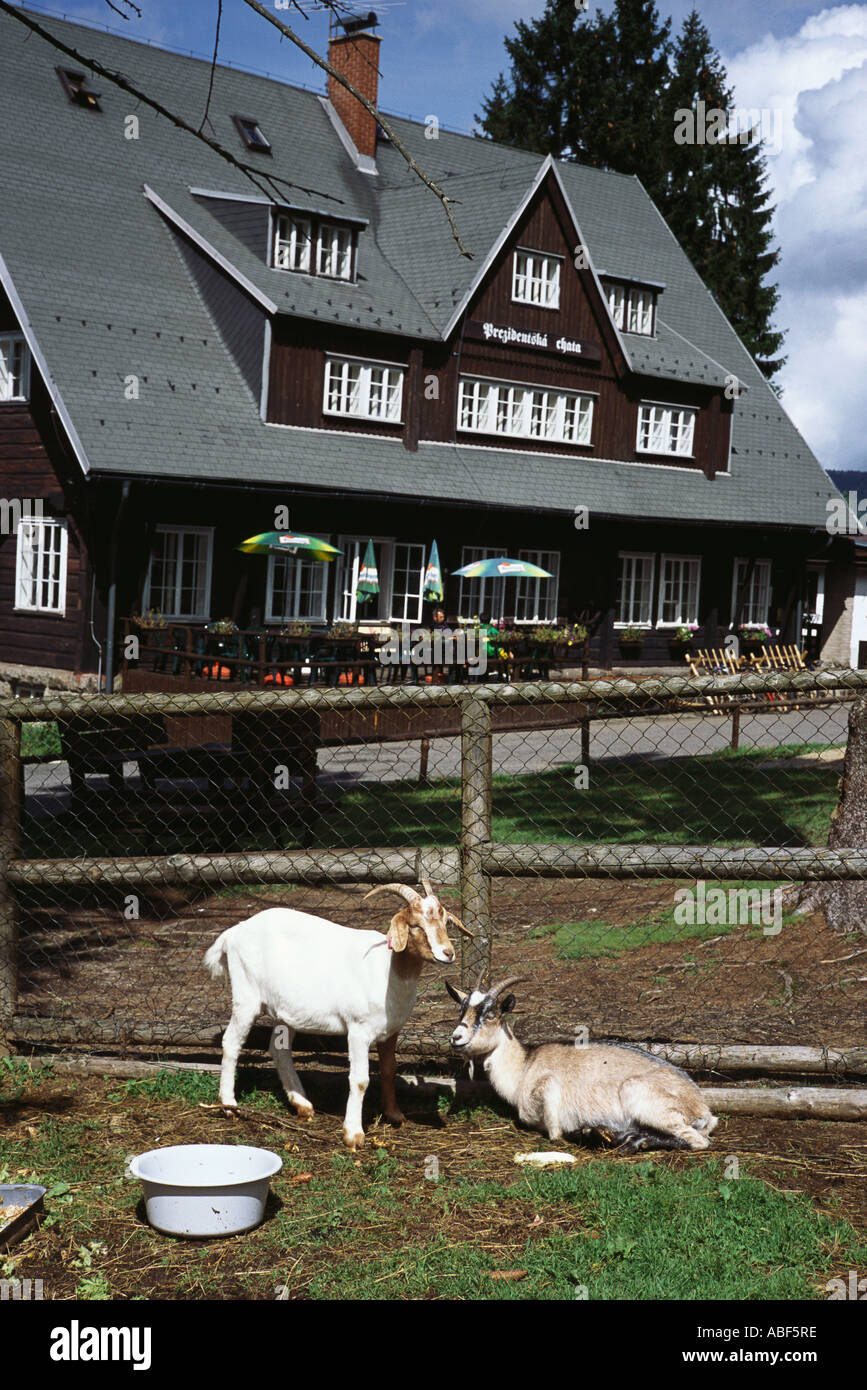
(562, 1088)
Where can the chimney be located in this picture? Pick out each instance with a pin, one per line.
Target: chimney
(355, 55)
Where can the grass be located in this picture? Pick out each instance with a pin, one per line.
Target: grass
(40, 740)
(392, 1224)
(593, 939)
(724, 798)
(619, 1232)
(719, 799)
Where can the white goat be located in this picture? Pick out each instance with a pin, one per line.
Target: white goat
(314, 975)
(560, 1087)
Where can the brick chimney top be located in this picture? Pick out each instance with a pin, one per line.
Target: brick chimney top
(354, 53)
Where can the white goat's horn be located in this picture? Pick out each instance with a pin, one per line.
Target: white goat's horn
(428, 887)
(460, 926)
(402, 889)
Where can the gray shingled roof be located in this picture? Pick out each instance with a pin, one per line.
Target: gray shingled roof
(107, 293)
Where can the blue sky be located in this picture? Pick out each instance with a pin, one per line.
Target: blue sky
(802, 63)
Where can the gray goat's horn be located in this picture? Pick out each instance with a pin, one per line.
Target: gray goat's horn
(496, 990)
(402, 889)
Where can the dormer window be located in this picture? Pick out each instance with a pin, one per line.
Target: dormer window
(665, 429)
(633, 307)
(76, 87)
(312, 247)
(536, 279)
(334, 251)
(292, 241)
(251, 133)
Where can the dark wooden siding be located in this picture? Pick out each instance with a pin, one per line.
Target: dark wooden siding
(33, 466)
(430, 391)
(37, 639)
(297, 376)
(588, 559)
(239, 321)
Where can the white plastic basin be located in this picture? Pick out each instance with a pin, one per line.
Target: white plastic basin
(205, 1189)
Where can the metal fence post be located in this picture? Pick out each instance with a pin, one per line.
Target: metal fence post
(10, 830)
(476, 760)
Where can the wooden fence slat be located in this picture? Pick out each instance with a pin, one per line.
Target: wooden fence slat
(10, 829)
(270, 866)
(796, 1103)
(681, 861)
(114, 707)
(476, 777)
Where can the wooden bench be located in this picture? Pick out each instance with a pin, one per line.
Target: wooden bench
(781, 658)
(716, 661)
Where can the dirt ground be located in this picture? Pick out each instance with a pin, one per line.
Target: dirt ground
(807, 985)
(824, 1160)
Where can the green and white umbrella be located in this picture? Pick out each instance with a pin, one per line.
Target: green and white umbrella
(503, 568)
(433, 577)
(368, 577)
(289, 543)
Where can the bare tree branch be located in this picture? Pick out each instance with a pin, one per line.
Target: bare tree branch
(254, 175)
(368, 106)
(213, 66)
(129, 5)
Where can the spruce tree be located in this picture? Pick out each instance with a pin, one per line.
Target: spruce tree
(606, 91)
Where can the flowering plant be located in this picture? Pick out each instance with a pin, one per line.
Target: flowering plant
(152, 618)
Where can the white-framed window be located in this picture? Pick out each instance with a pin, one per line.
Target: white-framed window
(40, 565)
(401, 568)
(312, 247)
(634, 589)
(755, 602)
(518, 600)
(536, 599)
(665, 429)
(407, 582)
(178, 582)
(536, 279)
(632, 307)
(14, 368)
(639, 312)
(334, 251)
(292, 243)
(499, 407)
(679, 577)
(296, 589)
(367, 389)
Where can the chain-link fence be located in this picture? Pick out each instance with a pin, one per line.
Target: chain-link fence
(632, 848)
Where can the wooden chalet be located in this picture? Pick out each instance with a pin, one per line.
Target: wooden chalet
(185, 349)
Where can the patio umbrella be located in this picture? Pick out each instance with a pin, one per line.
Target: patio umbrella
(433, 577)
(368, 577)
(290, 544)
(503, 568)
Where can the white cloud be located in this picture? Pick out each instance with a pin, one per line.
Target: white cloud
(817, 79)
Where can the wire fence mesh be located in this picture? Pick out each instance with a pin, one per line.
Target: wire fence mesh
(604, 840)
